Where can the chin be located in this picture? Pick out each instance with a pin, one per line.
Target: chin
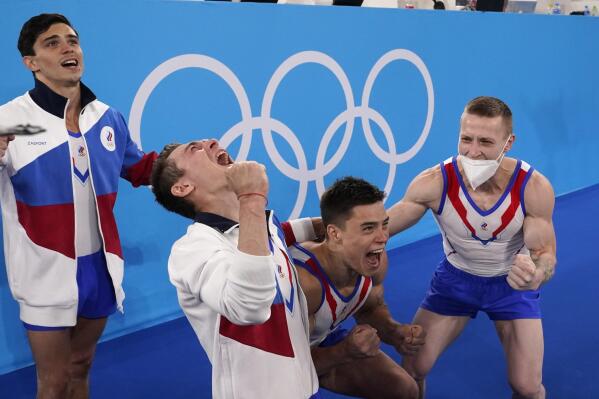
(72, 81)
(369, 270)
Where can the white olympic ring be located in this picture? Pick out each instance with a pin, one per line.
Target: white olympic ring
(267, 124)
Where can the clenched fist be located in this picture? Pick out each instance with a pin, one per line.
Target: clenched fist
(362, 341)
(524, 274)
(247, 177)
(4, 140)
(408, 338)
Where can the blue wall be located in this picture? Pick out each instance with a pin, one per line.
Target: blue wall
(185, 70)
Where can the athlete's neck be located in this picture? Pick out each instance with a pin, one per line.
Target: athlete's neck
(333, 262)
(223, 204)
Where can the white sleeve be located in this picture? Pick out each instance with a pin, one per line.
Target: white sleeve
(298, 230)
(237, 285)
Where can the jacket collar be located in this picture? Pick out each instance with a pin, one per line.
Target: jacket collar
(53, 102)
(218, 222)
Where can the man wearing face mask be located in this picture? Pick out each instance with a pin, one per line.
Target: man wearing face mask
(495, 216)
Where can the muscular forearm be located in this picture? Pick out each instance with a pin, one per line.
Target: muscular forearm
(380, 318)
(545, 262)
(252, 226)
(404, 215)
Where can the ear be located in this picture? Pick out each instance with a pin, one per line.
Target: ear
(333, 233)
(30, 63)
(510, 143)
(182, 188)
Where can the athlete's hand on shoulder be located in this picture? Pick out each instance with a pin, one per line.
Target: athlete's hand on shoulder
(4, 140)
(409, 338)
(362, 341)
(524, 274)
(247, 177)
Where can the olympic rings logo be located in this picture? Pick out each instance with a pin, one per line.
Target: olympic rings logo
(302, 174)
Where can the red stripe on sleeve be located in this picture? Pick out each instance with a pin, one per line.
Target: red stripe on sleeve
(139, 173)
(288, 233)
(108, 226)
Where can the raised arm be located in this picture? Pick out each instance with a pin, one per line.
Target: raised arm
(424, 192)
(529, 272)
(239, 283)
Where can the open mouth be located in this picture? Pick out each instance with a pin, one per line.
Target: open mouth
(374, 257)
(223, 158)
(71, 63)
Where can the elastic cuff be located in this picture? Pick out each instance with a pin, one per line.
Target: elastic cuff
(49, 316)
(303, 229)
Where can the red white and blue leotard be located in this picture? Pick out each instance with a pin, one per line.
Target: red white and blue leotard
(482, 242)
(334, 307)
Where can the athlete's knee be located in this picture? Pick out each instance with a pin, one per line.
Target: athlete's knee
(52, 384)
(404, 387)
(527, 387)
(80, 365)
(416, 368)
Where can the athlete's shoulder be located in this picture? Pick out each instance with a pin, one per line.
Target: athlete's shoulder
(427, 186)
(20, 103)
(312, 288)
(539, 186)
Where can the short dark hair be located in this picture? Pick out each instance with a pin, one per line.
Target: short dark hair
(338, 201)
(490, 107)
(34, 27)
(164, 175)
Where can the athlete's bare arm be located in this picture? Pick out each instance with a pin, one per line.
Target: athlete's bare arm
(424, 192)
(529, 272)
(406, 338)
(312, 290)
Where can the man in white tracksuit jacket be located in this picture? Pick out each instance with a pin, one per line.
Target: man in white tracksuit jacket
(234, 278)
(57, 191)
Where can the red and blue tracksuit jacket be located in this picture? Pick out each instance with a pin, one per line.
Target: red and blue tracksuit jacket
(36, 196)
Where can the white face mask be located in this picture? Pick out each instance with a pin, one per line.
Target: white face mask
(479, 171)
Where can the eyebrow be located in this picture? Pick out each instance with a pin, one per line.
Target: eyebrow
(50, 38)
(191, 144)
(69, 36)
(369, 224)
(479, 138)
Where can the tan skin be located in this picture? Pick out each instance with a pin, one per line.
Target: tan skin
(213, 183)
(356, 366)
(522, 339)
(53, 49)
(63, 358)
(59, 44)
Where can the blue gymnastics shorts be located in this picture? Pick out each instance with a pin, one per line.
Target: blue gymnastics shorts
(454, 292)
(96, 292)
(334, 337)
